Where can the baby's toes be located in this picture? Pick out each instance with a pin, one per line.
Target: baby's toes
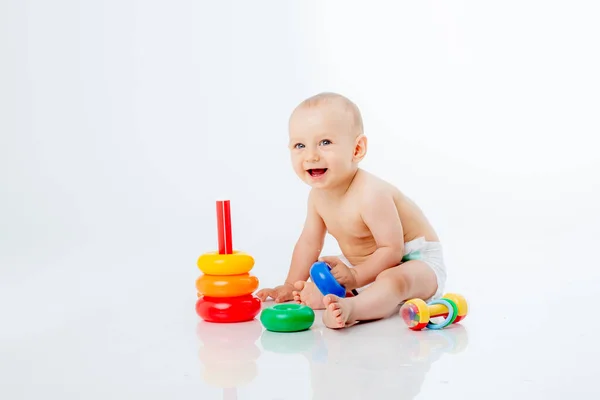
(335, 311)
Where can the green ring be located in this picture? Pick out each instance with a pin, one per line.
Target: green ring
(455, 307)
(287, 318)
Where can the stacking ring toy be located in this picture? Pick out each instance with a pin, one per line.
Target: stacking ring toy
(417, 314)
(320, 273)
(228, 309)
(226, 286)
(287, 318)
(236, 263)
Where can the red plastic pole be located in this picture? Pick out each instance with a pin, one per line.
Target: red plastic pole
(228, 240)
(224, 226)
(220, 227)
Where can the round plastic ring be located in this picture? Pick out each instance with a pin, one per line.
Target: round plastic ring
(463, 307)
(228, 309)
(287, 318)
(237, 263)
(455, 308)
(226, 286)
(320, 273)
(452, 311)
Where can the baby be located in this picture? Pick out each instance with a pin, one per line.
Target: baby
(391, 253)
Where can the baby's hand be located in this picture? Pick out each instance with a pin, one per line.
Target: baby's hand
(280, 294)
(345, 275)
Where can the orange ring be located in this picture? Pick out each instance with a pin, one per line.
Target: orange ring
(237, 263)
(226, 286)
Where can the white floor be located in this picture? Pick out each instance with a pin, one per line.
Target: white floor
(529, 334)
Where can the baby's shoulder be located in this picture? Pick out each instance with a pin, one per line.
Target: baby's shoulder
(369, 186)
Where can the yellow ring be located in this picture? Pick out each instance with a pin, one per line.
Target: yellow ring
(236, 263)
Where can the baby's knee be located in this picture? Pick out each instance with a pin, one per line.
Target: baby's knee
(398, 278)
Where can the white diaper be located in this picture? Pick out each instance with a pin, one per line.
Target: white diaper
(428, 252)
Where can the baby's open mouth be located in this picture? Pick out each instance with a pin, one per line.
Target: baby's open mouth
(317, 171)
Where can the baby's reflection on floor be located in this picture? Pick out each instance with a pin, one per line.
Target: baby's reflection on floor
(364, 360)
(359, 362)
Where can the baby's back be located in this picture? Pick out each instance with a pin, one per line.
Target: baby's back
(344, 222)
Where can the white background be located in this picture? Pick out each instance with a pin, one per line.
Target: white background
(122, 122)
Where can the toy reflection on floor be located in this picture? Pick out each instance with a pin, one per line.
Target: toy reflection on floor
(228, 354)
(225, 289)
(373, 355)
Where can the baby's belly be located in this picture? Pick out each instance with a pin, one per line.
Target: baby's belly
(357, 254)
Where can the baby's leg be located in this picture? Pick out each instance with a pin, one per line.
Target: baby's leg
(393, 286)
(308, 293)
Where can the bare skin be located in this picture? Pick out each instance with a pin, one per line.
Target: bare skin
(308, 294)
(412, 279)
(370, 219)
(343, 221)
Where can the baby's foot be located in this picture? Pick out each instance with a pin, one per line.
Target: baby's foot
(308, 294)
(338, 312)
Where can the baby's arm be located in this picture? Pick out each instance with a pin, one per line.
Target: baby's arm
(309, 245)
(305, 253)
(380, 214)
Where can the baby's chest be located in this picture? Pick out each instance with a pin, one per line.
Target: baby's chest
(344, 222)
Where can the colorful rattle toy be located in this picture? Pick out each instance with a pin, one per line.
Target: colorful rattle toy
(320, 274)
(226, 286)
(417, 314)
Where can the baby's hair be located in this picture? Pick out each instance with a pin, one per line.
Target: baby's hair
(335, 98)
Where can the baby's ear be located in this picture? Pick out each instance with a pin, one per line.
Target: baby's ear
(360, 148)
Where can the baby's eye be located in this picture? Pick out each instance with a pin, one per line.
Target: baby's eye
(325, 141)
(298, 146)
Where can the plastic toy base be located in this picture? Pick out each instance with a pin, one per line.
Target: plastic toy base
(287, 318)
(226, 286)
(228, 309)
(236, 263)
(320, 273)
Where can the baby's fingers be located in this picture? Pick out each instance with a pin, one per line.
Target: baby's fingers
(332, 261)
(281, 298)
(337, 271)
(264, 294)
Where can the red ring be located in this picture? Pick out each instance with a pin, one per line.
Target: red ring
(228, 309)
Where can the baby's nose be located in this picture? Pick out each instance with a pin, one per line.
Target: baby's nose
(312, 156)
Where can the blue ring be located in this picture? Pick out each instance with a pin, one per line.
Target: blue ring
(446, 320)
(322, 278)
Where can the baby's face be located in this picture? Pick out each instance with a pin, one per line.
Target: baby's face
(322, 144)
